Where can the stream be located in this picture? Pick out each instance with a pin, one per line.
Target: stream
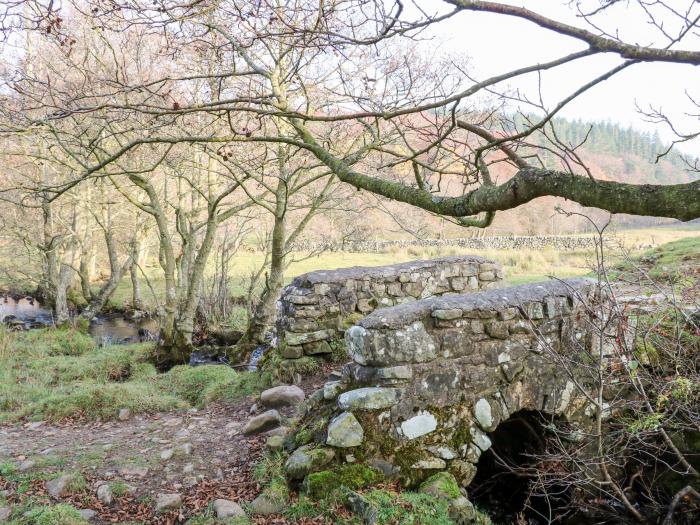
(27, 313)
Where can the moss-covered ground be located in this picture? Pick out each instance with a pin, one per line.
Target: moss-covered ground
(56, 374)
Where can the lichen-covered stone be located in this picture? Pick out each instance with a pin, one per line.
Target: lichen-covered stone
(371, 398)
(411, 344)
(291, 351)
(345, 431)
(295, 339)
(306, 460)
(394, 372)
(480, 439)
(447, 314)
(482, 412)
(429, 464)
(317, 347)
(497, 329)
(463, 471)
(332, 389)
(419, 425)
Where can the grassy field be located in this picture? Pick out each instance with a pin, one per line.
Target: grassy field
(521, 266)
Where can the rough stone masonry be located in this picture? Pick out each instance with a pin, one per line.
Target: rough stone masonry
(317, 307)
(429, 380)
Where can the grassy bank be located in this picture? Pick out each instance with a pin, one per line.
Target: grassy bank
(56, 374)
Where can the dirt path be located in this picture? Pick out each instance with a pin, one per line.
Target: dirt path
(200, 454)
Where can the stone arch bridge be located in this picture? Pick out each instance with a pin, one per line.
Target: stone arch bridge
(430, 379)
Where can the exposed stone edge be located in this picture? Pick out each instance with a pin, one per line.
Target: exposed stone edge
(365, 272)
(499, 299)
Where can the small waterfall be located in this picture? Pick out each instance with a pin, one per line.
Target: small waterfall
(256, 356)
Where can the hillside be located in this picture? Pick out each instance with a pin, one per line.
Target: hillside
(611, 152)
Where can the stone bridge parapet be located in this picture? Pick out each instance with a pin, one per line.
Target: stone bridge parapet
(316, 308)
(429, 380)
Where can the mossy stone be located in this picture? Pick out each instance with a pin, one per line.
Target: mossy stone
(320, 484)
(441, 485)
(306, 460)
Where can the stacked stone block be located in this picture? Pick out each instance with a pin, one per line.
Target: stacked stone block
(431, 379)
(317, 307)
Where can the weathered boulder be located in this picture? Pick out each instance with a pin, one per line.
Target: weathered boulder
(371, 398)
(225, 508)
(261, 423)
(60, 486)
(104, 494)
(345, 431)
(281, 396)
(264, 505)
(165, 502)
(87, 514)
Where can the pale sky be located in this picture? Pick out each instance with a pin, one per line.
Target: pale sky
(497, 44)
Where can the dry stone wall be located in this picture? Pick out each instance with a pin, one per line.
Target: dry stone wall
(317, 307)
(429, 380)
(501, 242)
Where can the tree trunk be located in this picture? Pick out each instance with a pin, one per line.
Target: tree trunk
(184, 326)
(49, 282)
(61, 298)
(265, 311)
(98, 302)
(138, 260)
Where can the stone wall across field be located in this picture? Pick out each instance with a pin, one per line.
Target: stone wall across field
(429, 380)
(316, 308)
(500, 242)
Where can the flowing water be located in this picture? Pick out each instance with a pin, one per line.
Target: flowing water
(27, 313)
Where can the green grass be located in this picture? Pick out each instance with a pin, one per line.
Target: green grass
(670, 260)
(676, 262)
(57, 374)
(61, 514)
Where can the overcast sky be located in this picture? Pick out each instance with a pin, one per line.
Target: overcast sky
(496, 44)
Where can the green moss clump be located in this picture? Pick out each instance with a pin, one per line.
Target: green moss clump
(350, 320)
(303, 437)
(442, 484)
(319, 485)
(409, 508)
